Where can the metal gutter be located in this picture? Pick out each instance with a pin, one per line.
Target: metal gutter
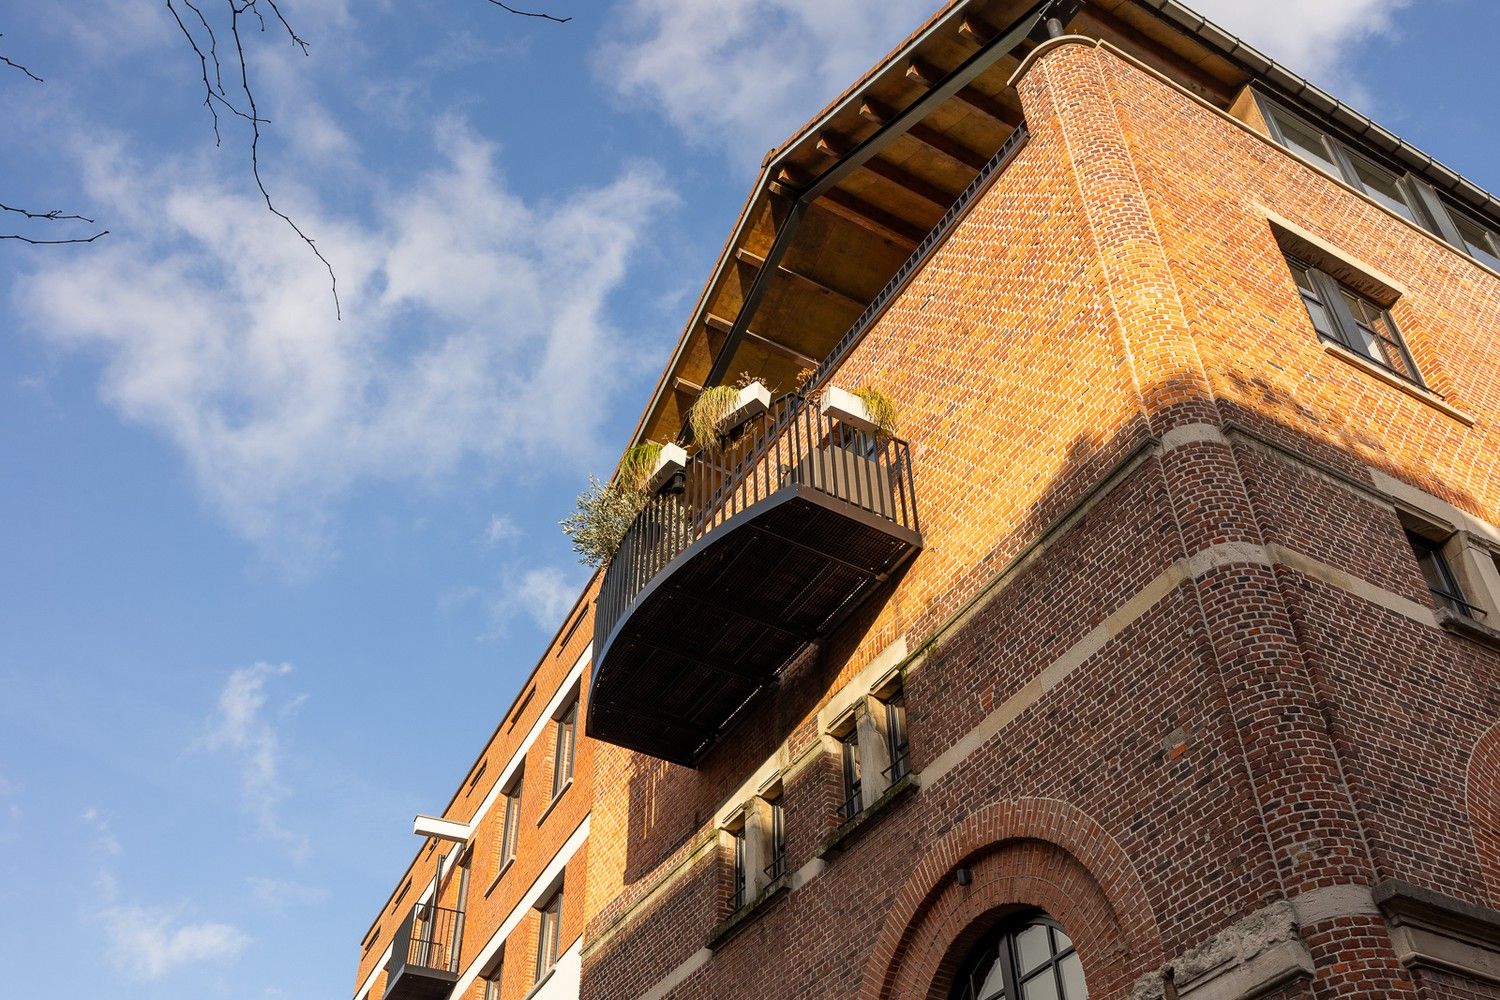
(1267, 70)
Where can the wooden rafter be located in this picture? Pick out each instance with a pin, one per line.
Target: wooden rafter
(834, 145)
(873, 111)
(884, 224)
(991, 107)
(721, 325)
(806, 280)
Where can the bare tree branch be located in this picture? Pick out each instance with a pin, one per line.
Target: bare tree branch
(16, 65)
(529, 13)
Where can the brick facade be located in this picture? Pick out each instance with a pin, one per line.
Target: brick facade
(1171, 670)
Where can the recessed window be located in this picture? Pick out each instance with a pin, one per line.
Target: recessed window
(510, 830)
(1361, 172)
(895, 736)
(849, 761)
(492, 975)
(1482, 242)
(567, 741)
(549, 933)
(1348, 317)
(777, 867)
(1442, 583)
(741, 888)
(1030, 958)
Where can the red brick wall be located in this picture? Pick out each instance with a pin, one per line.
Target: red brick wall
(1253, 734)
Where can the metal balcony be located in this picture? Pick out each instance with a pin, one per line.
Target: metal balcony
(424, 954)
(766, 546)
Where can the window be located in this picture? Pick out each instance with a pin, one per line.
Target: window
(1441, 581)
(849, 755)
(511, 827)
(492, 975)
(1030, 958)
(1362, 173)
(741, 883)
(1481, 242)
(567, 735)
(548, 933)
(1345, 316)
(777, 867)
(895, 737)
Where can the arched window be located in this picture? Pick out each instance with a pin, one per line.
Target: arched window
(1025, 958)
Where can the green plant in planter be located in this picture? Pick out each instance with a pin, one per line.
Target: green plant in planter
(710, 411)
(637, 464)
(605, 513)
(882, 410)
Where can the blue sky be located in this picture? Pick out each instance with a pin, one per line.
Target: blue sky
(267, 579)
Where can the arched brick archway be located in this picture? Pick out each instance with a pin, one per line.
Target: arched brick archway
(1021, 853)
(1482, 799)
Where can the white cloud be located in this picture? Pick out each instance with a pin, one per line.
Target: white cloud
(501, 528)
(1311, 39)
(542, 593)
(471, 319)
(147, 943)
(279, 894)
(748, 72)
(240, 724)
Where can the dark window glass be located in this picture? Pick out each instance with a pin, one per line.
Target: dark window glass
(737, 899)
(1380, 184)
(567, 735)
(849, 751)
(777, 867)
(895, 731)
(1343, 315)
(492, 984)
(511, 830)
(1482, 243)
(1441, 582)
(1024, 959)
(1302, 139)
(548, 934)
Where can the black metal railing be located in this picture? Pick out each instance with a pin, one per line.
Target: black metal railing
(1457, 604)
(777, 867)
(429, 939)
(900, 764)
(852, 804)
(791, 444)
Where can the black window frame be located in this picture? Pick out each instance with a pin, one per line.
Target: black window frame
(853, 783)
(1442, 582)
(565, 748)
(1333, 298)
(777, 844)
(1489, 236)
(740, 890)
(1000, 946)
(898, 743)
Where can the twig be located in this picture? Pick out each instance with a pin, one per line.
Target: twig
(530, 13)
(39, 243)
(15, 65)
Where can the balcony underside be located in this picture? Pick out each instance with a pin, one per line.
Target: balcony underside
(719, 622)
(410, 982)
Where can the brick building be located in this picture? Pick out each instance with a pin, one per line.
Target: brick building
(1153, 655)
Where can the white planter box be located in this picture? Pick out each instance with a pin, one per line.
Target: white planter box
(669, 462)
(848, 409)
(754, 399)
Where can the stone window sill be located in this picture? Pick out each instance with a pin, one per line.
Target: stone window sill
(855, 826)
(500, 874)
(741, 918)
(1468, 628)
(1390, 378)
(536, 987)
(555, 800)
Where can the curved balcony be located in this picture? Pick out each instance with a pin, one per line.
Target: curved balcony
(761, 550)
